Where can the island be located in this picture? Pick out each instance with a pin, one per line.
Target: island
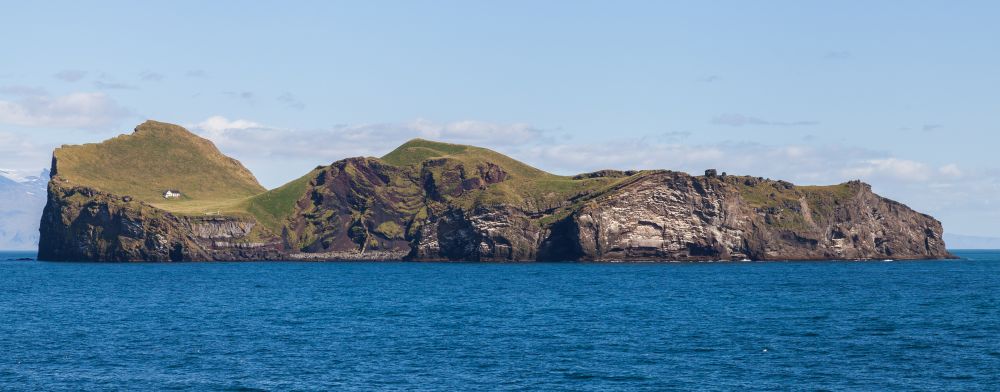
(163, 193)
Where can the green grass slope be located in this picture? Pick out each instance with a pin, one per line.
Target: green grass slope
(272, 207)
(156, 157)
(417, 151)
(525, 184)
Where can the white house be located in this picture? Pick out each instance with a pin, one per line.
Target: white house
(171, 194)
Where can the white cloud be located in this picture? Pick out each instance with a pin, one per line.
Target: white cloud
(950, 170)
(807, 164)
(19, 153)
(470, 131)
(890, 168)
(76, 110)
(797, 163)
(249, 140)
(217, 124)
(250, 137)
(273, 152)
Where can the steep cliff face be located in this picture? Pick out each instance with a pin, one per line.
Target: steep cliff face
(355, 209)
(81, 224)
(672, 216)
(435, 201)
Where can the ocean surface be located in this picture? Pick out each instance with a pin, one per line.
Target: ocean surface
(917, 325)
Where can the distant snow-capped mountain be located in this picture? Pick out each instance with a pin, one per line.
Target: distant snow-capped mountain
(22, 198)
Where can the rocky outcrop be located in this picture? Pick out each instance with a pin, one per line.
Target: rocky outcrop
(80, 224)
(500, 233)
(672, 216)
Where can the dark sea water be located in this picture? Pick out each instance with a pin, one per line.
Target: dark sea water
(926, 325)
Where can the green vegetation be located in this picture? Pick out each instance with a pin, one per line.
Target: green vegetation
(274, 206)
(158, 157)
(785, 205)
(390, 229)
(823, 200)
(523, 183)
(416, 151)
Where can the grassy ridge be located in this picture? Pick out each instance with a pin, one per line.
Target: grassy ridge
(524, 184)
(417, 151)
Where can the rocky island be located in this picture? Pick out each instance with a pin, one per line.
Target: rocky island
(164, 194)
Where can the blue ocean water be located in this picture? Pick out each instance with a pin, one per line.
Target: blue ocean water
(922, 325)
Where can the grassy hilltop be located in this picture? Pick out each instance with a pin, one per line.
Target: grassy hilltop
(523, 183)
(157, 157)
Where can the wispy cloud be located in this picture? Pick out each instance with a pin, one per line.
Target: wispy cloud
(152, 76)
(951, 170)
(890, 168)
(113, 85)
(739, 120)
(21, 90)
(675, 136)
(838, 55)
(241, 95)
(20, 153)
(70, 75)
(289, 100)
(77, 110)
(250, 138)
(710, 78)
(931, 127)
(472, 131)
(803, 163)
(196, 73)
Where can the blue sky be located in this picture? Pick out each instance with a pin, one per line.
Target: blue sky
(901, 95)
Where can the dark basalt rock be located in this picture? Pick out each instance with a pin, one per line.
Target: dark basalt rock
(82, 224)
